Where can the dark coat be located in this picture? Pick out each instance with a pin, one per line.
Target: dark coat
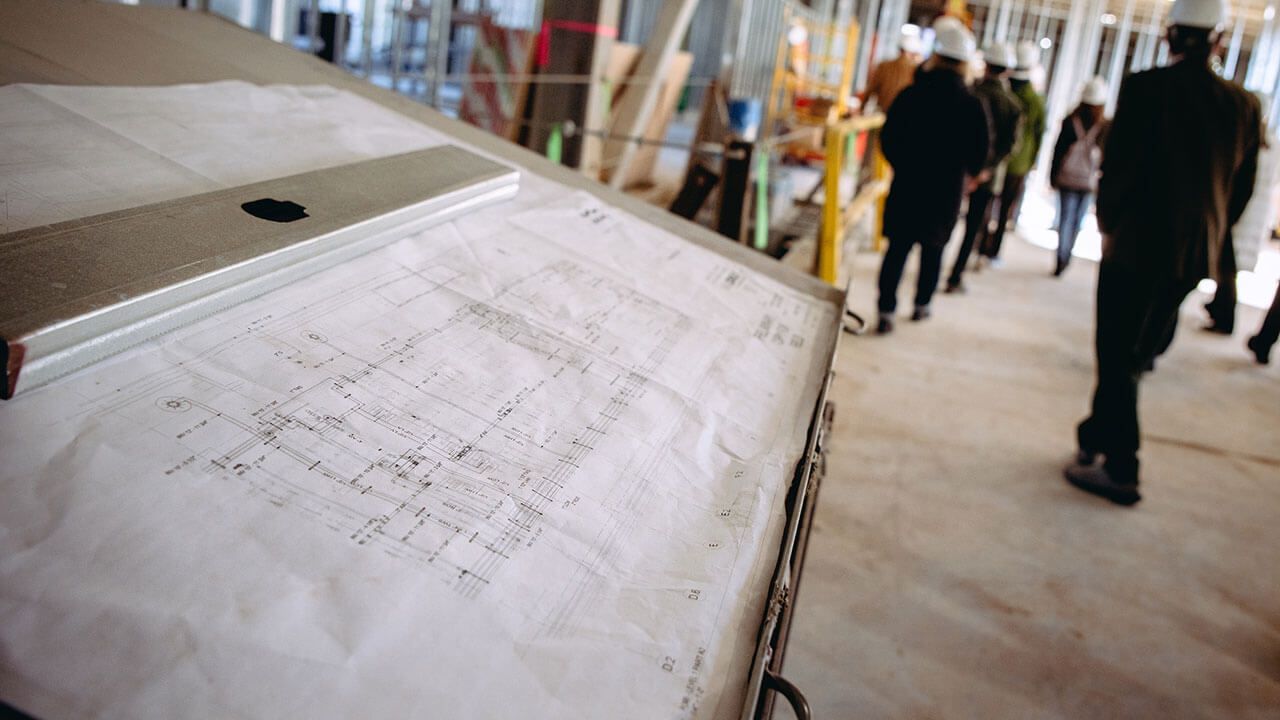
(1177, 170)
(934, 135)
(1004, 111)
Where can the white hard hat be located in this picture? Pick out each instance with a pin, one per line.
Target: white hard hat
(1028, 56)
(952, 40)
(797, 34)
(999, 54)
(910, 40)
(1208, 14)
(1095, 92)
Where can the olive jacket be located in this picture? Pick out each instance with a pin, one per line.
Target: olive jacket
(1033, 127)
(1177, 170)
(1003, 112)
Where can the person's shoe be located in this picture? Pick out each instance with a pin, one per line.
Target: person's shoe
(1059, 269)
(995, 262)
(1096, 480)
(1086, 457)
(922, 312)
(955, 288)
(1215, 327)
(885, 326)
(1261, 352)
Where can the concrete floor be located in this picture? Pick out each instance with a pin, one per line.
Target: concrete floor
(953, 573)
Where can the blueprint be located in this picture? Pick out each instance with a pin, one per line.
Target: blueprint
(530, 463)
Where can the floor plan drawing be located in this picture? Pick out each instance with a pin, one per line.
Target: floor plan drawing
(545, 441)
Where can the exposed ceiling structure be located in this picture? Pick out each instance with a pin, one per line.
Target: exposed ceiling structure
(1253, 13)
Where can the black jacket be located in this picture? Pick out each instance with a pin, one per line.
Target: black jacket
(934, 135)
(1177, 170)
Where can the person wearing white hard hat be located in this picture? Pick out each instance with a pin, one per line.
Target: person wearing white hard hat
(934, 136)
(890, 77)
(1177, 172)
(1003, 113)
(1077, 163)
(1024, 155)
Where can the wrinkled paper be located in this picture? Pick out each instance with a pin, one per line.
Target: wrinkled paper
(529, 464)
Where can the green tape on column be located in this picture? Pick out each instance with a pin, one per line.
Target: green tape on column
(555, 144)
(761, 241)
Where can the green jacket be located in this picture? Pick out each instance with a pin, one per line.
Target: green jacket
(1033, 124)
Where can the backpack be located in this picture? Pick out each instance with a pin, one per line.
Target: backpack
(1080, 166)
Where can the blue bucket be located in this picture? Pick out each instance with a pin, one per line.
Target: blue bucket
(744, 118)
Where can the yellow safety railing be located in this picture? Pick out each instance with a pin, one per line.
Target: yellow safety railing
(835, 219)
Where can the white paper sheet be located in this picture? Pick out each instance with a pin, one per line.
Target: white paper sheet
(528, 464)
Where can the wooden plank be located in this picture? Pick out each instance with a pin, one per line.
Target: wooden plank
(636, 107)
(622, 65)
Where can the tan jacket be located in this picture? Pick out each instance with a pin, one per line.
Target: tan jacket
(888, 79)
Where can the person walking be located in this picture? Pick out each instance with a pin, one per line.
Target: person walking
(1024, 155)
(1177, 171)
(1260, 345)
(1003, 111)
(892, 76)
(1077, 160)
(934, 136)
(1249, 235)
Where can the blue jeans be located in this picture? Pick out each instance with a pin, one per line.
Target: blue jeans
(1073, 204)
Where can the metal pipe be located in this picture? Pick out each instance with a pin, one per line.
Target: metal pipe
(871, 16)
(1233, 50)
(435, 64)
(1042, 23)
(989, 22)
(1093, 36)
(398, 22)
(1118, 52)
(340, 35)
(1262, 51)
(366, 39)
(1273, 61)
(313, 27)
(1015, 21)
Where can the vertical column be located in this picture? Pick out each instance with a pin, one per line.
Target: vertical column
(886, 37)
(1144, 54)
(1233, 49)
(1118, 53)
(366, 38)
(399, 21)
(1272, 66)
(892, 13)
(1070, 68)
(1261, 49)
(1014, 34)
(435, 64)
(313, 27)
(1093, 38)
(869, 22)
(991, 21)
(1042, 22)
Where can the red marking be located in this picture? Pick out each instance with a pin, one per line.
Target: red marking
(544, 36)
